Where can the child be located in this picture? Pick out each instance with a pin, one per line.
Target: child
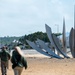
(18, 61)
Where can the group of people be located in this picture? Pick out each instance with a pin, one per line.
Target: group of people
(17, 59)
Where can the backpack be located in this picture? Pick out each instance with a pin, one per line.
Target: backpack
(15, 59)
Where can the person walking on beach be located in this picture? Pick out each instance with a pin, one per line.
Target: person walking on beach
(5, 56)
(18, 61)
(8, 60)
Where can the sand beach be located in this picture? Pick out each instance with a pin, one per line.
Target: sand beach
(41, 65)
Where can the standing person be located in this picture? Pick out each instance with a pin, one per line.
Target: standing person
(8, 60)
(18, 61)
(5, 56)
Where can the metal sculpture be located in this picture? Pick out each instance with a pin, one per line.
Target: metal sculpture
(72, 42)
(34, 46)
(72, 38)
(54, 41)
(64, 37)
(44, 46)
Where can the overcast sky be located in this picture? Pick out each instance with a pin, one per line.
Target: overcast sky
(20, 17)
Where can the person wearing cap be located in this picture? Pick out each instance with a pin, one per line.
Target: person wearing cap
(5, 56)
(18, 61)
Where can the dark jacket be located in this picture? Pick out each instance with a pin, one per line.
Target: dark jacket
(18, 60)
(4, 55)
